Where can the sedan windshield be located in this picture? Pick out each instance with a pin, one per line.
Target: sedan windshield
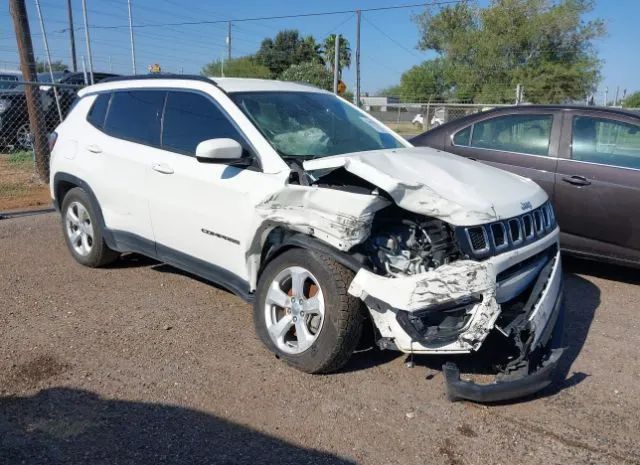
(312, 125)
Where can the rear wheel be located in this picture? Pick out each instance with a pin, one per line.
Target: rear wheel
(82, 233)
(303, 311)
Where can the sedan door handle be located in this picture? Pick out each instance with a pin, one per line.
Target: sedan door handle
(576, 180)
(94, 148)
(162, 168)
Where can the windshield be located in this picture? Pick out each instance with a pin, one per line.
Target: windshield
(8, 81)
(311, 125)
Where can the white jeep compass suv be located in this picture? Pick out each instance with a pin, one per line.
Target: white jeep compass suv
(326, 220)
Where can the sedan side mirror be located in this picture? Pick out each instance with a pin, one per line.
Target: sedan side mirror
(225, 151)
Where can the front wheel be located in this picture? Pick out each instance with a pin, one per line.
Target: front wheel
(304, 314)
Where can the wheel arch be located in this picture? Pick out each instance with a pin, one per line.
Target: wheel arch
(281, 239)
(63, 183)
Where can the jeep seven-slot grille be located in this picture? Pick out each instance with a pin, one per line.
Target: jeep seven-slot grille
(494, 238)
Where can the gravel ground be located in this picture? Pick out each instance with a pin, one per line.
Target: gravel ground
(142, 364)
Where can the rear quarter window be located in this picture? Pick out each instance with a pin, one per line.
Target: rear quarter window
(98, 110)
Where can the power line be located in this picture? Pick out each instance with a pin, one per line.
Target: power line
(300, 15)
(392, 39)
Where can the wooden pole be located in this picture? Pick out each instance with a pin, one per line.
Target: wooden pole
(28, 66)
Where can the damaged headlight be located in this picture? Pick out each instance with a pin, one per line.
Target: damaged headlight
(441, 322)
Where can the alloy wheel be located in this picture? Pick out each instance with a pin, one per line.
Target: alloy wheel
(294, 310)
(79, 228)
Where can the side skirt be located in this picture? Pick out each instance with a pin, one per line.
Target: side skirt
(127, 242)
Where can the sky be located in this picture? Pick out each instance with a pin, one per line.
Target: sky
(388, 38)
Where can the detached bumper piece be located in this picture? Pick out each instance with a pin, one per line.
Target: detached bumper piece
(537, 373)
(458, 389)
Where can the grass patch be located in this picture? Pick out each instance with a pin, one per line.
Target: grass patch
(21, 158)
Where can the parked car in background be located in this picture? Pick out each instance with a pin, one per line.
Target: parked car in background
(14, 118)
(586, 158)
(66, 95)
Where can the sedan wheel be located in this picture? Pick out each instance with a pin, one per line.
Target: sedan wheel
(23, 137)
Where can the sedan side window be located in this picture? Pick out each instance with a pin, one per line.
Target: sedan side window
(462, 137)
(190, 118)
(529, 134)
(606, 142)
(135, 116)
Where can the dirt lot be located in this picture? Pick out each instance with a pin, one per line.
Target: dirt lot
(141, 364)
(19, 185)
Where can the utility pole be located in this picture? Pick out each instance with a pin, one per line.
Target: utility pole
(606, 94)
(336, 63)
(72, 37)
(615, 100)
(133, 47)
(88, 39)
(357, 94)
(28, 67)
(229, 42)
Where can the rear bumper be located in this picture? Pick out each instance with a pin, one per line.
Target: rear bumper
(522, 384)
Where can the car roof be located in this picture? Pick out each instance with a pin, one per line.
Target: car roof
(528, 107)
(230, 85)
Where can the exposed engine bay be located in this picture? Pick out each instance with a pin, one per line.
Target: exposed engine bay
(404, 244)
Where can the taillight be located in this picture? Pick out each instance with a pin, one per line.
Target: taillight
(53, 137)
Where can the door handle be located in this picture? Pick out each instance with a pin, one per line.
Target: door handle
(94, 148)
(576, 180)
(162, 168)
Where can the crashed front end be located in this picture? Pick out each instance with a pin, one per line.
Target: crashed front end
(456, 251)
(510, 283)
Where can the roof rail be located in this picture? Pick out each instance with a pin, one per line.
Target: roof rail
(189, 77)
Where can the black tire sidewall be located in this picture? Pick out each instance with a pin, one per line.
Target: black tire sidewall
(334, 338)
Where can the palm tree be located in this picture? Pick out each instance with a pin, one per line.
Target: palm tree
(344, 53)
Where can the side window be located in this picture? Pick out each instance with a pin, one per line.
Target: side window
(605, 141)
(528, 134)
(99, 110)
(462, 137)
(190, 118)
(135, 115)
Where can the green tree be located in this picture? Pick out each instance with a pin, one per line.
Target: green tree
(344, 53)
(287, 48)
(43, 67)
(312, 73)
(426, 81)
(632, 101)
(237, 67)
(391, 91)
(545, 45)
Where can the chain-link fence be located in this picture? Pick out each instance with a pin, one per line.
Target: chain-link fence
(24, 134)
(410, 119)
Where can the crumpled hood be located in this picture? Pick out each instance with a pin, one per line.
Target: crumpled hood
(438, 184)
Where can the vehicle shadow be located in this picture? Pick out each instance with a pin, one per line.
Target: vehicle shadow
(601, 270)
(71, 426)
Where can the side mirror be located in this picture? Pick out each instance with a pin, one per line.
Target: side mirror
(226, 151)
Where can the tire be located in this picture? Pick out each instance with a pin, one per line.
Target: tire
(82, 232)
(24, 139)
(335, 328)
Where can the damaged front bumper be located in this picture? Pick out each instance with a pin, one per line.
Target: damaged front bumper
(452, 309)
(536, 372)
